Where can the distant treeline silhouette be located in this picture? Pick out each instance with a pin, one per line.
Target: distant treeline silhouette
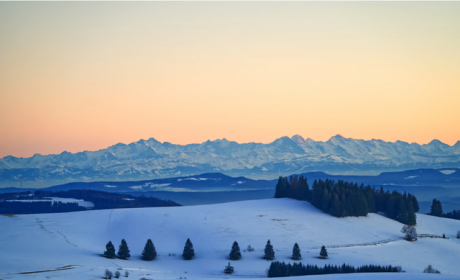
(100, 199)
(17, 207)
(455, 214)
(281, 269)
(343, 199)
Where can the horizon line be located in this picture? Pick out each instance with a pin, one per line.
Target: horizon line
(332, 137)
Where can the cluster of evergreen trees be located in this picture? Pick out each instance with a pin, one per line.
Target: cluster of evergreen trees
(453, 215)
(45, 206)
(150, 253)
(436, 210)
(100, 199)
(342, 199)
(281, 269)
(123, 251)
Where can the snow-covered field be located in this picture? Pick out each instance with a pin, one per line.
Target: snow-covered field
(30, 243)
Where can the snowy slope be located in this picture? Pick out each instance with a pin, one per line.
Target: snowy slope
(49, 241)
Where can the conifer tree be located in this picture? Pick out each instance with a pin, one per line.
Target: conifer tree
(123, 250)
(411, 217)
(323, 252)
(282, 187)
(235, 253)
(189, 252)
(149, 253)
(296, 253)
(228, 269)
(109, 250)
(269, 253)
(436, 208)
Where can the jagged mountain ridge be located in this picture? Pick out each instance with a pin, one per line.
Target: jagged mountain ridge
(153, 159)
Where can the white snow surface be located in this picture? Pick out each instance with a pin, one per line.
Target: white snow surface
(447, 172)
(81, 202)
(50, 241)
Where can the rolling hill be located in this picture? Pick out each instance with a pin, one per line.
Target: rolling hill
(73, 241)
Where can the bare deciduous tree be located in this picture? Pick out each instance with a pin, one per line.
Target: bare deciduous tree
(410, 233)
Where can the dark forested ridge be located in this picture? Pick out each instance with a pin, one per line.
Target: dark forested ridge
(281, 269)
(41, 203)
(455, 214)
(36, 207)
(342, 199)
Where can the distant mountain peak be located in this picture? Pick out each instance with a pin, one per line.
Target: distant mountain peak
(337, 137)
(153, 159)
(298, 139)
(436, 142)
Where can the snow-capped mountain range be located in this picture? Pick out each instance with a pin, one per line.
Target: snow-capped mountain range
(153, 159)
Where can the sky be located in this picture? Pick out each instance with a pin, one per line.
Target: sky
(78, 76)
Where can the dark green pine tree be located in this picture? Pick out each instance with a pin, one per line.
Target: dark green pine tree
(336, 208)
(109, 251)
(149, 253)
(235, 253)
(414, 202)
(411, 217)
(269, 253)
(436, 208)
(296, 253)
(228, 269)
(123, 251)
(282, 187)
(304, 189)
(402, 215)
(189, 252)
(323, 252)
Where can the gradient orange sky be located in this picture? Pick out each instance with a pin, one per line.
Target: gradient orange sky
(83, 76)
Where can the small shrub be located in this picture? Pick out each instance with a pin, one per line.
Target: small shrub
(430, 269)
(323, 252)
(117, 274)
(228, 269)
(126, 273)
(458, 234)
(108, 274)
(250, 249)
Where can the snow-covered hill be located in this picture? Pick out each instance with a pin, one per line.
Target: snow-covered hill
(153, 159)
(48, 241)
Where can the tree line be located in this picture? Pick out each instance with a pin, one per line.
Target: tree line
(45, 206)
(281, 269)
(100, 199)
(149, 253)
(436, 210)
(343, 199)
(455, 214)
